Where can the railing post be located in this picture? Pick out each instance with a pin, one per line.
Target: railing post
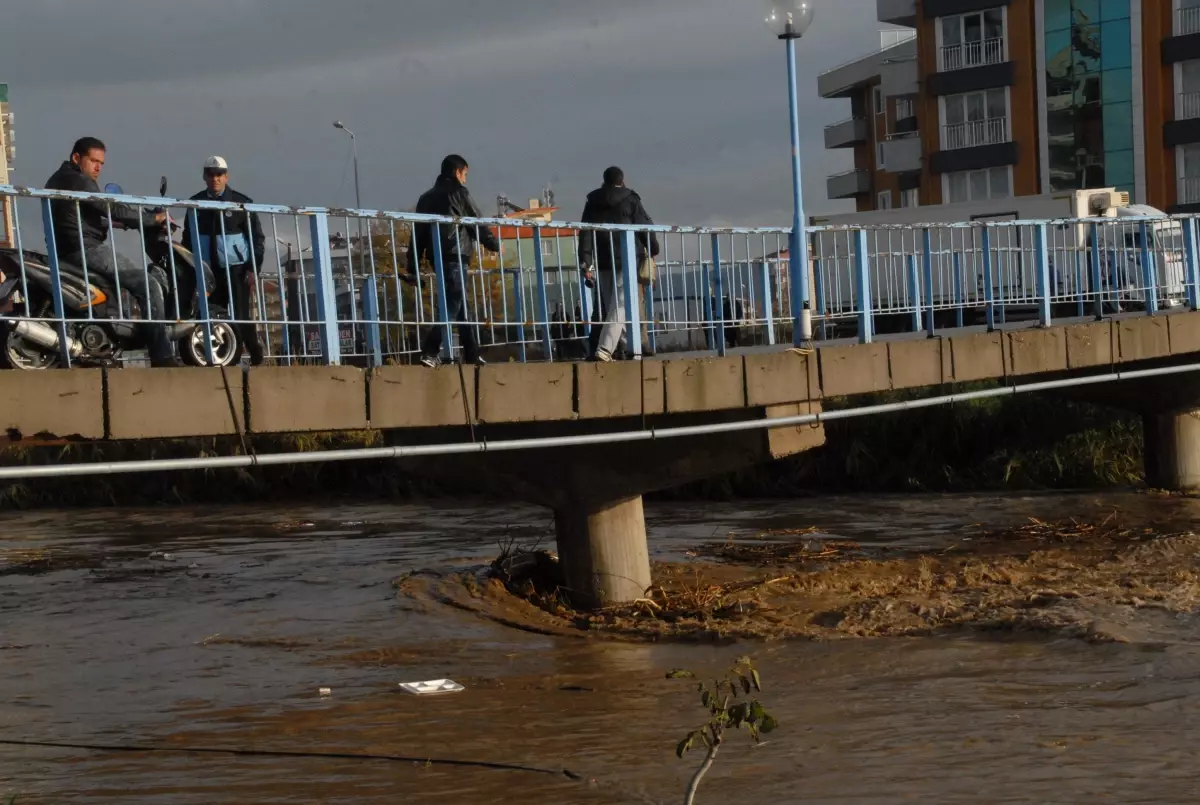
(1149, 274)
(819, 289)
(1097, 282)
(331, 342)
(1189, 259)
(633, 313)
(764, 295)
(708, 309)
(519, 311)
(958, 290)
(539, 265)
(862, 287)
(202, 285)
(989, 290)
(370, 297)
(649, 305)
(1081, 310)
(927, 249)
(1043, 274)
(719, 292)
(914, 292)
(64, 346)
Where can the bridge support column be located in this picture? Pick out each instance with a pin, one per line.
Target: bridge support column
(603, 551)
(1172, 450)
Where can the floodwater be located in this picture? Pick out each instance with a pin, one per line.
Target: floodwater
(180, 629)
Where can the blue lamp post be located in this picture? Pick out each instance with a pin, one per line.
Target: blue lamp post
(788, 20)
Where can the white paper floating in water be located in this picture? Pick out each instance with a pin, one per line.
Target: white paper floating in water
(323, 692)
(432, 687)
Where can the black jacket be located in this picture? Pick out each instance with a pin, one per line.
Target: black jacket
(242, 232)
(94, 214)
(449, 197)
(613, 205)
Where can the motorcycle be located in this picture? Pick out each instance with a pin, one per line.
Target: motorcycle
(95, 334)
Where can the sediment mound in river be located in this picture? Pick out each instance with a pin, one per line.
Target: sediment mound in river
(1076, 579)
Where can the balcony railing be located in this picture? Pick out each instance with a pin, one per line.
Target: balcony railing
(972, 54)
(1189, 189)
(974, 132)
(1189, 105)
(1187, 21)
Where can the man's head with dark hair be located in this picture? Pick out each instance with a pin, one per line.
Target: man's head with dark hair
(455, 166)
(88, 154)
(614, 177)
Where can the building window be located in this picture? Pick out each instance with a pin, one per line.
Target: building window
(975, 118)
(880, 163)
(549, 247)
(971, 40)
(1187, 158)
(979, 185)
(910, 198)
(884, 200)
(1089, 94)
(905, 108)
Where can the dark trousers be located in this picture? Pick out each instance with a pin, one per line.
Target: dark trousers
(131, 278)
(242, 276)
(431, 345)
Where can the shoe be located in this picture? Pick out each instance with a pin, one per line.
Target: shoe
(430, 361)
(256, 353)
(603, 357)
(476, 362)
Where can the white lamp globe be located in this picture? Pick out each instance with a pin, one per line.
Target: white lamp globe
(789, 19)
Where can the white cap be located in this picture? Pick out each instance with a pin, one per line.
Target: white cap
(216, 164)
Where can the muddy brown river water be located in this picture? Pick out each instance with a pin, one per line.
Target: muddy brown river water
(182, 628)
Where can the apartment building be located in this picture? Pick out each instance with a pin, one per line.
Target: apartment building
(987, 99)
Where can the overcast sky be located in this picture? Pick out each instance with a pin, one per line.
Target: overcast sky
(688, 96)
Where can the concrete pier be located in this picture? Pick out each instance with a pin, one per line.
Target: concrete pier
(1172, 450)
(603, 551)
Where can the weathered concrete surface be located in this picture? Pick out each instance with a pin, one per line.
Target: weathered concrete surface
(1037, 351)
(418, 397)
(1144, 338)
(286, 399)
(58, 403)
(604, 553)
(526, 392)
(624, 389)
(916, 363)
(174, 403)
(788, 441)
(774, 378)
(1184, 332)
(854, 369)
(705, 384)
(1090, 345)
(980, 356)
(1173, 450)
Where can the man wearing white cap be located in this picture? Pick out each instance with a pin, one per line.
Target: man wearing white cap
(234, 250)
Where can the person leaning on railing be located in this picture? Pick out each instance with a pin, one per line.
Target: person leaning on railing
(88, 221)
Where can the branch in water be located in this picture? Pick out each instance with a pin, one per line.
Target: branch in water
(700, 772)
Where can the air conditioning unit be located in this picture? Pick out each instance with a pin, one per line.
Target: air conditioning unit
(1101, 203)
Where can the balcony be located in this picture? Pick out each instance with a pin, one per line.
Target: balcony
(1189, 189)
(1188, 104)
(847, 133)
(897, 12)
(974, 133)
(971, 54)
(902, 153)
(899, 77)
(846, 79)
(1187, 21)
(849, 184)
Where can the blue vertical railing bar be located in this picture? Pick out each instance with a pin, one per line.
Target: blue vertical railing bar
(1042, 255)
(958, 291)
(539, 265)
(1149, 275)
(703, 285)
(370, 296)
(1081, 310)
(914, 292)
(862, 288)
(718, 286)
(327, 327)
(819, 283)
(60, 312)
(633, 316)
(1094, 259)
(443, 301)
(927, 255)
(767, 302)
(989, 289)
(201, 286)
(519, 308)
(652, 339)
(1189, 258)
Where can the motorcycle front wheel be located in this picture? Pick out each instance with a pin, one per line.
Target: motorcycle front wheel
(226, 346)
(17, 353)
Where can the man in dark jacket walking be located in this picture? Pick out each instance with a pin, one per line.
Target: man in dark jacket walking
(449, 196)
(81, 238)
(614, 203)
(233, 250)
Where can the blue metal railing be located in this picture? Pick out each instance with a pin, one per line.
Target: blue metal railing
(324, 297)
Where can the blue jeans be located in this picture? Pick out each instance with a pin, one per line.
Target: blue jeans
(133, 279)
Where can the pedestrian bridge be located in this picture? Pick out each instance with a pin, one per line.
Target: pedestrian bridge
(1032, 306)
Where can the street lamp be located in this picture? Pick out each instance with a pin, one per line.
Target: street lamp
(788, 20)
(337, 124)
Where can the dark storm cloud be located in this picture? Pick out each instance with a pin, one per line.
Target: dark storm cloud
(687, 95)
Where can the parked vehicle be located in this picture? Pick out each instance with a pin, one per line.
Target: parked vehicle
(98, 331)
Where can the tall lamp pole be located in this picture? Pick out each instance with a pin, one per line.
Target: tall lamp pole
(788, 20)
(357, 190)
